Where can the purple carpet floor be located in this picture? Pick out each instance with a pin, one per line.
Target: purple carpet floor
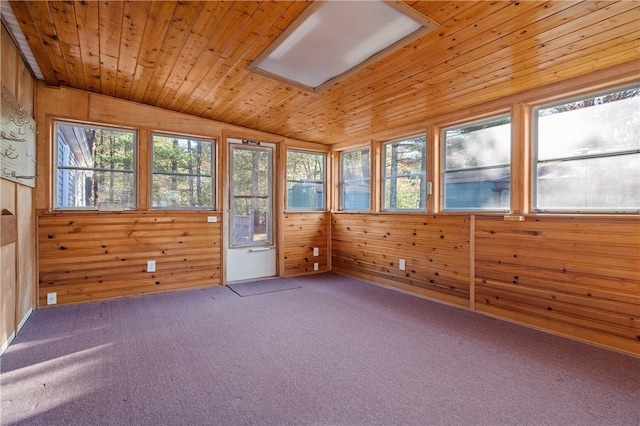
(335, 351)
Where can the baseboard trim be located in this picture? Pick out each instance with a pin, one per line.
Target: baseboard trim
(24, 320)
(7, 343)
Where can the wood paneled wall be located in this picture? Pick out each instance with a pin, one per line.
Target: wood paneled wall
(96, 256)
(303, 232)
(18, 259)
(87, 256)
(435, 249)
(578, 276)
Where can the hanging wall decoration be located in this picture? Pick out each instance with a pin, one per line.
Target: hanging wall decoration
(17, 142)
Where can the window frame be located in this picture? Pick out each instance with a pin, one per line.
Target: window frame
(534, 117)
(444, 171)
(56, 168)
(384, 177)
(323, 182)
(212, 175)
(342, 182)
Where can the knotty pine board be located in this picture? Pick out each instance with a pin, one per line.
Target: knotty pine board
(435, 250)
(94, 256)
(302, 232)
(577, 276)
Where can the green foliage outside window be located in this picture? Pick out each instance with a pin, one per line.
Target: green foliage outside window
(94, 165)
(404, 177)
(251, 195)
(182, 172)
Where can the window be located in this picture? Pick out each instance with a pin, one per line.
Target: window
(404, 180)
(476, 165)
(182, 172)
(355, 180)
(93, 165)
(305, 180)
(587, 153)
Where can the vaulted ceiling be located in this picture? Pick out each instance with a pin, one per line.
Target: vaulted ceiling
(192, 57)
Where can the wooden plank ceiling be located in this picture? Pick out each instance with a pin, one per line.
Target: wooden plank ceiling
(192, 57)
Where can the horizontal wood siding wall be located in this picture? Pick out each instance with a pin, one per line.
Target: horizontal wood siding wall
(303, 232)
(97, 256)
(576, 276)
(435, 248)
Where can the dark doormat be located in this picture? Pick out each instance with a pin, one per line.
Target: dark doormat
(255, 288)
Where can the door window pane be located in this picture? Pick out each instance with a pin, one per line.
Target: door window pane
(251, 196)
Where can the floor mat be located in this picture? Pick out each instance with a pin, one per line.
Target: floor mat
(255, 288)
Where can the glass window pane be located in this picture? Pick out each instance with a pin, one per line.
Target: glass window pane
(178, 155)
(607, 183)
(182, 172)
(477, 189)
(251, 196)
(305, 180)
(85, 188)
(250, 221)
(587, 153)
(405, 174)
(476, 165)
(355, 165)
(93, 165)
(597, 125)
(355, 180)
(251, 168)
(478, 145)
(404, 193)
(182, 191)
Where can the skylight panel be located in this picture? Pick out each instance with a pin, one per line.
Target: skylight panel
(333, 38)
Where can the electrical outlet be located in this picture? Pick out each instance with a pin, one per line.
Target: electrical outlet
(52, 298)
(401, 264)
(151, 265)
(316, 251)
(315, 266)
(212, 219)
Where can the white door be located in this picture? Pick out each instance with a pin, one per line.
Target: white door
(251, 251)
